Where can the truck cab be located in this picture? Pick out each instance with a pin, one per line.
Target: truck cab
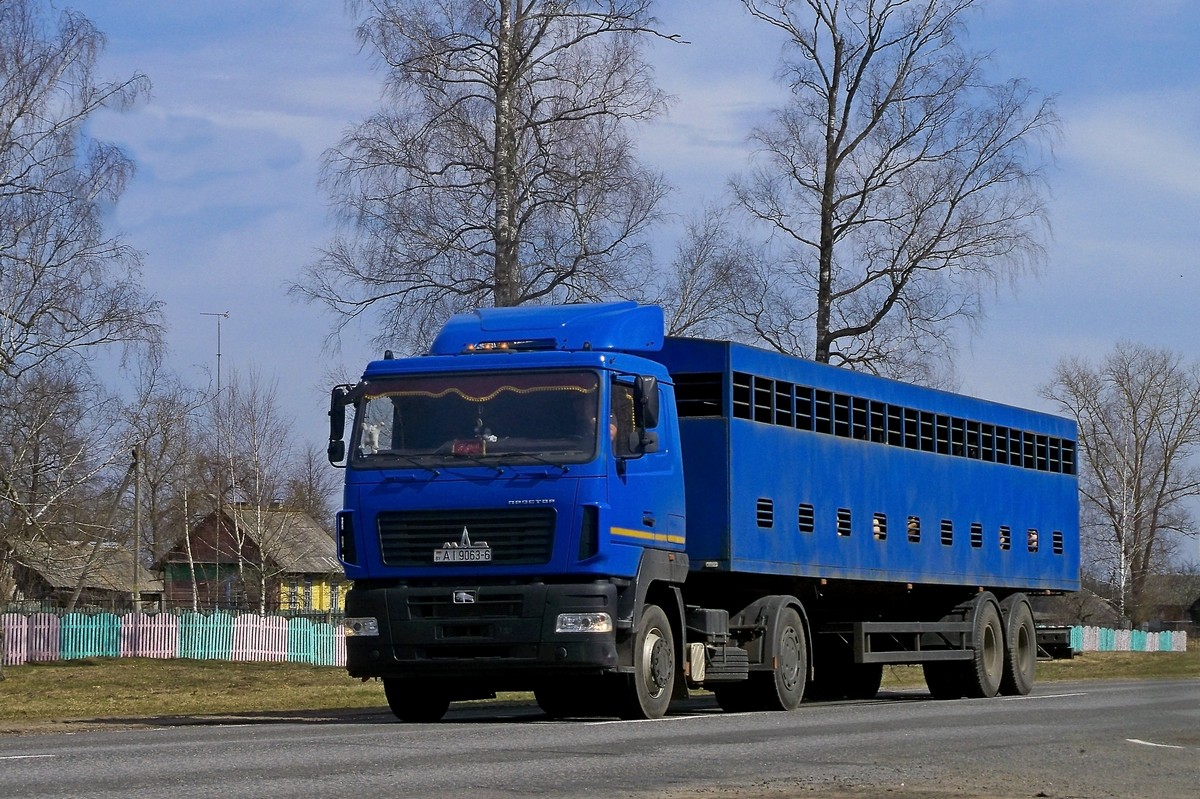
(513, 505)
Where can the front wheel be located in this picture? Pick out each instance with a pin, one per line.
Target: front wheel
(648, 690)
(416, 701)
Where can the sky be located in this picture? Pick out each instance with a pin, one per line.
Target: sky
(248, 94)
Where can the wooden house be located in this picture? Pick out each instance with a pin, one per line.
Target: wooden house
(248, 558)
(80, 575)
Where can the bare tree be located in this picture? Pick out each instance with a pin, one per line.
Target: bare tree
(896, 183)
(263, 475)
(62, 449)
(502, 171)
(1139, 423)
(64, 285)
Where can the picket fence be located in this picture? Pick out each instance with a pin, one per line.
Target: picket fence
(1102, 639)
(41, 637)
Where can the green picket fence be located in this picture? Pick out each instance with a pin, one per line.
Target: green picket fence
(40, 637)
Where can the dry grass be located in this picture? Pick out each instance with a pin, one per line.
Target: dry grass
(138, 687)
(1087, 666)
(132, 688)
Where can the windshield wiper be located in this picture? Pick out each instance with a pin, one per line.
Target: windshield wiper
(500, 456)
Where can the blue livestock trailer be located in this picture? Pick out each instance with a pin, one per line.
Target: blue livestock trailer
(560, 499)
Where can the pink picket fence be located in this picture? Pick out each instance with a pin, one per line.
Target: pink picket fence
(149, 636)
(260, 638)
(41, 637)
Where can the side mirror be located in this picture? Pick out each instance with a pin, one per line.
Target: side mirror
(338, 398)
(645, 392)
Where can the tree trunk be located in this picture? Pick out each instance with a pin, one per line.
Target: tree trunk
(507, 247)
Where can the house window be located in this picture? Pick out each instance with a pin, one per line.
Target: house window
(335, 597)
(308, 593)
(293, 597)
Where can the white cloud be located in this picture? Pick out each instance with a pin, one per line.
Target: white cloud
(1150, 140)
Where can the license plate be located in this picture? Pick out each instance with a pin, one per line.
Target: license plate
(462, 555)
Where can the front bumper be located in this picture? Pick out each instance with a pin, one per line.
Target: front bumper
(498, 637)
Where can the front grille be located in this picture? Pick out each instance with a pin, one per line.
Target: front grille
(516, 535)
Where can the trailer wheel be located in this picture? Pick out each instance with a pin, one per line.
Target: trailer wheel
(649, 688)
(944, 679)
(1020, 647)
(987, 662)
(414, 701)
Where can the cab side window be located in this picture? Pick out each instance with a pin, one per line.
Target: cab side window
(621, 425)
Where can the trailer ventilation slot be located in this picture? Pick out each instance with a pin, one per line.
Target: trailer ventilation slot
(765, 512)
(699, 395)
(879, 526)
(914, 529)
(947, 532)
(805, 518)
(1005, 537)
(1056, 538)
(782, 403)
(976, 535)
(843, 521)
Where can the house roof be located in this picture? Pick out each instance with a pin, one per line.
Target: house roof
(103, 566)
(293, 539)
(289, 539)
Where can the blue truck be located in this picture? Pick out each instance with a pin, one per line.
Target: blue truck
(561, 499)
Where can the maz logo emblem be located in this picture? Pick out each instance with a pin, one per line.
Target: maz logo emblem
(464, 597)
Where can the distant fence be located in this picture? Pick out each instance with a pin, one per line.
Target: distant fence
(41, 637)
(1102, 639)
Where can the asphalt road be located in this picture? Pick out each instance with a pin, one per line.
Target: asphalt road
(1087, 739)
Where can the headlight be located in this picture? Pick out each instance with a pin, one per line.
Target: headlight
(583, 623)
(365, 625)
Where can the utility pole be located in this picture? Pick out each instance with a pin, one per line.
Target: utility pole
(217, 418)
(137, 529)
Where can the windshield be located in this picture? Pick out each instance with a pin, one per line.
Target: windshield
(509, 417)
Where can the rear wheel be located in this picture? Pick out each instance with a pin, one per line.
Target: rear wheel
(648, 690)
(782, 688)
(1020, 647)
(416, 701)
(786, 686)
(987, 662)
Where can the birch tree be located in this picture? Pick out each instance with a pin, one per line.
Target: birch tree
(896, 183)
(1138, 413)
(66, 286)
(502, 170)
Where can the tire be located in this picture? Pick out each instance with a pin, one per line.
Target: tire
(414, 701)
(785, 689)
(944, 679)
(1020, 647)
(584, 696)
(987, 641)
(554, 699)
(779, 689)
(736, 697)
(648, 690)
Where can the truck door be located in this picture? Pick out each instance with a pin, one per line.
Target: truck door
(646, 486)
